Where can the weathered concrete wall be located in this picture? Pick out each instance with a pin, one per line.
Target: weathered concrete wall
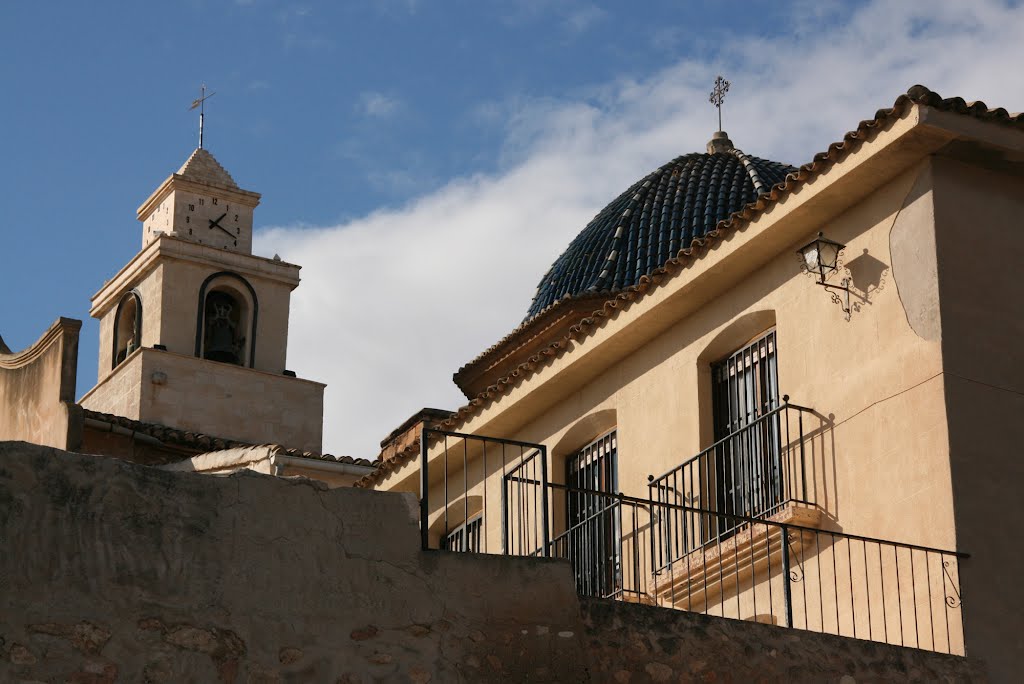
(118, 572)
(37, 389)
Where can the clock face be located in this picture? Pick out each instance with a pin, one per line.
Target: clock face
(189, 213)
(214, 221)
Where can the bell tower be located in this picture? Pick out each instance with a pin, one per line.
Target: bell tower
(201, 203)
(194, 329)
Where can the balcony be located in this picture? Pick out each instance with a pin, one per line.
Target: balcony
(734, 532)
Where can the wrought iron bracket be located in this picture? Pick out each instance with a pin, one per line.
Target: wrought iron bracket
(834, 290)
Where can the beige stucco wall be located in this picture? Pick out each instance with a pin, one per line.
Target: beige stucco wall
(876, 455)
(980, 247)
(213, 398)
(37, 389)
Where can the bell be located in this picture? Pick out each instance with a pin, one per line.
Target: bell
(220, 341)
(225, 353)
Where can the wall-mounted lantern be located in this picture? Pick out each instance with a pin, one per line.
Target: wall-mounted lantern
(821, 259)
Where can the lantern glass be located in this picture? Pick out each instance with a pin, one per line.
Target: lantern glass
(828, 255)
(811, 258)
(821, 256)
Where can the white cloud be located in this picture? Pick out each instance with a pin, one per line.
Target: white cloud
(392, 303)
(574, 17)
(582, 18)
(378, 105)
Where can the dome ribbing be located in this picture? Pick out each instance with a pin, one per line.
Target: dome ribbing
(651, 221)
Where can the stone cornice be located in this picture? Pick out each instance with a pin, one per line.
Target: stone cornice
(167, 247)
(175, 181)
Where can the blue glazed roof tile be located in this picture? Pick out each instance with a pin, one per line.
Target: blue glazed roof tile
(650, 222)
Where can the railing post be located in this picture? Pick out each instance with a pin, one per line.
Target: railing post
(424, 487)
(803, 466)
(650, 520)
(787, 591)
(504, 513)
(545, 535)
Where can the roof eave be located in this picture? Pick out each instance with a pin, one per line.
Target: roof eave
(928, 124)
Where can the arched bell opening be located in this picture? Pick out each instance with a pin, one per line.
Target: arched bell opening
(224, 328)
(127, 327)
(226, 321)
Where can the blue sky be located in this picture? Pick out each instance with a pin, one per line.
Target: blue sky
(423, 161)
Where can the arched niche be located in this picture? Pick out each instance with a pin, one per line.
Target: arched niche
(127, 335)
(736, 335)
(739, 332)
(583, 432)
(457, 516)
(226, 320)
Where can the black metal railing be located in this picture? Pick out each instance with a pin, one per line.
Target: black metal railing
(631, 549)
(607, 550)
(500, 481)
(767, 571)
(753, 472)
(813, 579)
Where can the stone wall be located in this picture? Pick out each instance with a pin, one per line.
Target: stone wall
(213, 398)
(627, 642)
(119, 572)
(37, 389)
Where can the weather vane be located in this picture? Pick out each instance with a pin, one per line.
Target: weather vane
(200, 102)
(717, 97)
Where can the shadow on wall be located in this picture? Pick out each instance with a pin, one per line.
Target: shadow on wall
(820, 464)
(868, 276)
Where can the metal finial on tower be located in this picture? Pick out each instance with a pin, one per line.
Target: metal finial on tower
(200, 102)
(718, 96)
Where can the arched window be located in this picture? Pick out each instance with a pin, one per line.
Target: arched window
(741, 473)
(226, 322)
(127, 327)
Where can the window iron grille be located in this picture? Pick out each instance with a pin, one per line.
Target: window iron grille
(465, 537)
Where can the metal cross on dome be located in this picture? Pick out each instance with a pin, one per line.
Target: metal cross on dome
(718, 96)
(201, 103)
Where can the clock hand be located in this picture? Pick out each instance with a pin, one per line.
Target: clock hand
(216, 223)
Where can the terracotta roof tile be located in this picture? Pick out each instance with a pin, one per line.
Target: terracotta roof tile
(836, 152)
(204, 443)
(520, 339)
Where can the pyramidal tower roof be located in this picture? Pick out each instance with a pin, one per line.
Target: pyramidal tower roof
(201, 166)
(200, 169)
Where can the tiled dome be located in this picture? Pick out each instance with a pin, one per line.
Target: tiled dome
(659, 215)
